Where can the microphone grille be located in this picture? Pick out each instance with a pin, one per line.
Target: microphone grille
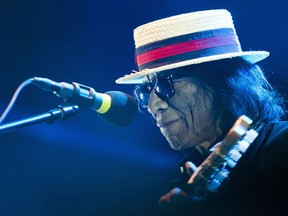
(123, 109)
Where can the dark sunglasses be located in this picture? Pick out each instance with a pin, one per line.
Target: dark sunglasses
(162, 86)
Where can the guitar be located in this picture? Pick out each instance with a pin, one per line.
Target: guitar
(211, 174)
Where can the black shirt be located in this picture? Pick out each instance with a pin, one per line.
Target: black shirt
(258, 185)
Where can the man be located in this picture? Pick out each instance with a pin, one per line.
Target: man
(196, 81)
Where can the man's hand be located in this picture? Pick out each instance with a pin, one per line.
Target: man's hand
(177, 198)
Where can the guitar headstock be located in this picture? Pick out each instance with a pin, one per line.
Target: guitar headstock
(209, 176)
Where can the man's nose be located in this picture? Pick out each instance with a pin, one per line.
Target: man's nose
(156, 104)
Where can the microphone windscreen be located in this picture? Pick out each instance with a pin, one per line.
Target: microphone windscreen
(123, 109)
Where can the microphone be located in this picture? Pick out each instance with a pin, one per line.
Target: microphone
(113, 106)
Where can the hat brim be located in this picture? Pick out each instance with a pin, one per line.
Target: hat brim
(137, 77)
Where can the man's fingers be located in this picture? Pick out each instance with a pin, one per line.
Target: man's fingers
(177, 198)
(174, 197)
(190, 168)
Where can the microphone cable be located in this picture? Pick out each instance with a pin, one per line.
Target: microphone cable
(13, 99)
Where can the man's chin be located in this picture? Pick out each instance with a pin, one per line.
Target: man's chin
(175, 145)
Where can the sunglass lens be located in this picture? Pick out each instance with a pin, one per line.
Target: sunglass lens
(164, 89)
(142, 94)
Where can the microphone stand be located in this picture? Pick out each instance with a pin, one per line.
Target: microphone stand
(62, 112)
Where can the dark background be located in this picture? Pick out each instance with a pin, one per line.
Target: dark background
(83, 165)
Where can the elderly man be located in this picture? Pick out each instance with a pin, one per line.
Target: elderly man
(196, 81)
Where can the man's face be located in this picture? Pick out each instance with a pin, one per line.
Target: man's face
(185, 119)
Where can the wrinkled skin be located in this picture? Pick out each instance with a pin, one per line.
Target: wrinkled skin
(186, 119)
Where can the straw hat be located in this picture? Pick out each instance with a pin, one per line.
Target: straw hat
(186, 39)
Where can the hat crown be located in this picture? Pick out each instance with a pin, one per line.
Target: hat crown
(182, 24)
(184, 37)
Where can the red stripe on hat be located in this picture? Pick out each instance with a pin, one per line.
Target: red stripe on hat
(185, 47)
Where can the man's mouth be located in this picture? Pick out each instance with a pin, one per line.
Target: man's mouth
(163, 124)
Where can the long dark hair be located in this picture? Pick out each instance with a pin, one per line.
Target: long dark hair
(238, 88)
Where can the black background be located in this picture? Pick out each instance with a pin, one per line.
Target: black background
(83, 165)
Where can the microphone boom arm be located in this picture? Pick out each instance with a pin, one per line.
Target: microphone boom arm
(62, 112)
